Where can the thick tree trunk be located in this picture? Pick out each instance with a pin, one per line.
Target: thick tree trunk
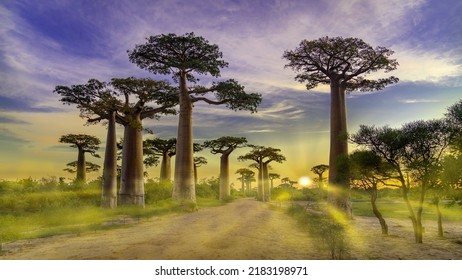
(184, 187)
(440, 218)
(165, 168)
(242, 185)
(195, 174)
(266, 187)
(339, 189)
(132, 181)
(377, 213)
(260, 189)
(109, 189)
(81, 166)
(224, 176)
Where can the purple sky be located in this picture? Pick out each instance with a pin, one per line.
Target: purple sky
(48, 43)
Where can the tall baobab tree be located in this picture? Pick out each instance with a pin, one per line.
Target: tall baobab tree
(183, 57)
(224, 146)
(84, 144)
(319, 170)
(343, 64)
(98, 102)
(147, 92)
(166, 148)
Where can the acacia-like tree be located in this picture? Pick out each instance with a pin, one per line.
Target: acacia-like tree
(183, 57)
(413, 152)
(98, 102)
(224, 146)
(246, 178)
(319, 170)
(368, 171)
(84, 144)
(151, 99)
(343, 64)
(166, 148)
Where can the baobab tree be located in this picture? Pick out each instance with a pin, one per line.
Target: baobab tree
(89, 167)
(262, 157)
(147, 92)
(246, 178)
(319, 170)
(271, 155)
(166, 148)
(84, 144)
(272, 177)
(343, 64)
(183, 57)
(98, 102)
(224, 146)
(198, 162)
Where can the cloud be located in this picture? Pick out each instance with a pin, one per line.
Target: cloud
(22, 105)
(10, 138)
(413, 101)
(10, 120)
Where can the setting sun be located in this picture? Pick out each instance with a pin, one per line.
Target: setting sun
(304, 181)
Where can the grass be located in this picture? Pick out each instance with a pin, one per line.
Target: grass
(34, 209)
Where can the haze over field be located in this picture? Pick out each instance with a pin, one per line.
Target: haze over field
(49, 43)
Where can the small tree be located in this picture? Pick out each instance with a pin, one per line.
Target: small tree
(343, 64)
(225, 146)
(84, 144)
(183, 57)
(319, 170)
(368, 171)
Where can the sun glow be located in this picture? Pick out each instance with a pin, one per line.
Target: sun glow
(304, 181)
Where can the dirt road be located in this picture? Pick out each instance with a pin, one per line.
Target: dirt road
(241, 230)
(244, 229)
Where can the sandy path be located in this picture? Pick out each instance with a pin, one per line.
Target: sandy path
(244, 229)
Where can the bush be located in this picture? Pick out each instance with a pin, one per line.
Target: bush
(155, 191)
(330, 231)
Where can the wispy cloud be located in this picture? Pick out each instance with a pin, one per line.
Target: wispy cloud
(414, 101)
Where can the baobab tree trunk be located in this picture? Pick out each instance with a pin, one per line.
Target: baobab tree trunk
(260, 189)
(132, 181)
(183, 186)
(109, 189)
(195, 173)
(266, 187)
(339, 189)
(165, 168)
(224, 176)
(377, 213)
(81, 165)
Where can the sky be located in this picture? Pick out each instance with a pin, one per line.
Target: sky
(65, 42)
